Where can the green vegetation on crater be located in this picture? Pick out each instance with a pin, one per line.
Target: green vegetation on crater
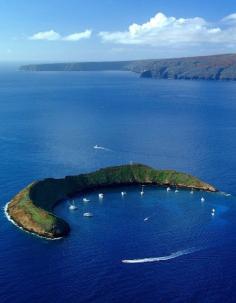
(32, 208)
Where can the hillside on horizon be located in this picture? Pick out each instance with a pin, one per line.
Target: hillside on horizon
(213, 67)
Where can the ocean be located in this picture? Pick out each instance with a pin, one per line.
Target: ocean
(162, 247)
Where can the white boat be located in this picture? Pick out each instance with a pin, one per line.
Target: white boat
(202, 199)
(176, 191)
(191, 192)
(145, 219)
(168, 189)
(142, 191)
(98, 147)
(85, 200)
(73, 206)
(123, 193)
(88, 214)
(213, 210)
(100, 196)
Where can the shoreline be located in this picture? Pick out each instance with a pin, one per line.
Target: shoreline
(9, 218)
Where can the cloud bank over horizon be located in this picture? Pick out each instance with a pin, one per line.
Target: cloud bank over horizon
(52, 35)
(162, 30)
(161, 36)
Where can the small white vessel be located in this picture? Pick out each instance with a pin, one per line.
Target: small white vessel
(123, 193)
(168, 189)
(99, 147)
(191, 192)
(202, 199)
(85, 200)
(213, 210)
(145, 219)
(88, 214)
(142, 191)
(73, 206)
(176, 191)
(100, 196)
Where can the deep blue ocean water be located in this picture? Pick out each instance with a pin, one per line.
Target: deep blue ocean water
(49, 123)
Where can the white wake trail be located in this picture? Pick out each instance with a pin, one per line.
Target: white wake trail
(164, 258)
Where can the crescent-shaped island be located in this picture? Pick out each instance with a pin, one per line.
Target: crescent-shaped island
(32, 208)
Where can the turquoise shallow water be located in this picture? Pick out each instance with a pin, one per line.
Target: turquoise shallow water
(49, 123)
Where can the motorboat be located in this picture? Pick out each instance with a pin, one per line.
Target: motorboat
(88, 214)
(85, 200)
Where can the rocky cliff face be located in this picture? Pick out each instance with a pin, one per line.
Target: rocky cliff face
(222, 67)
(218, 67)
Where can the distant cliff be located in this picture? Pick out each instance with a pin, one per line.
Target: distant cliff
(78, 66)
(217, 67)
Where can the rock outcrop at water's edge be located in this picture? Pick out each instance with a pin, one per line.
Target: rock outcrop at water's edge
(32, 208)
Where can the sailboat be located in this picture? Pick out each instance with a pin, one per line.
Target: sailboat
(142, 191)
(73, 206)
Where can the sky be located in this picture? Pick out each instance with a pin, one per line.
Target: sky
(106, 30)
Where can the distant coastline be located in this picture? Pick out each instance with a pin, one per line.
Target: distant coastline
(214, 67)
(32, 208)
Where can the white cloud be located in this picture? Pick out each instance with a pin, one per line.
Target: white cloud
(51, 35)
(230, 18)
(162, 30)
(78, 36)
(48, 35)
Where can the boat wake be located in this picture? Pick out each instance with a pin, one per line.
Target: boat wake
(164, 258)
